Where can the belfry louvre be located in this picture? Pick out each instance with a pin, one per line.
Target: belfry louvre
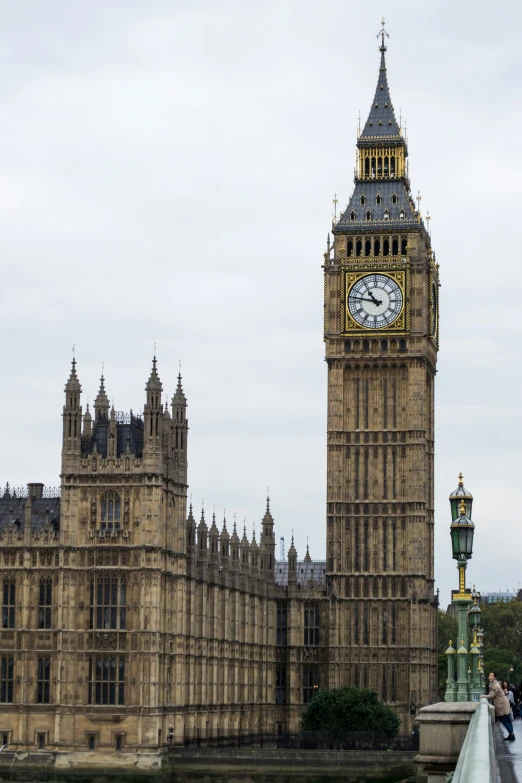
(127, 624)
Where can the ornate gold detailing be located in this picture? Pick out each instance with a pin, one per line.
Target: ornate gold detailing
(370, 264)
(461, 482)
(462, 508)
(401, 323)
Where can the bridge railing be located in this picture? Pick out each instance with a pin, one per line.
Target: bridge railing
(476, 762)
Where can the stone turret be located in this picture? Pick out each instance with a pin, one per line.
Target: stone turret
(234, 549)
(268, 543)
(292, 564)
(224, 543)
(72, 414)
(101, 403)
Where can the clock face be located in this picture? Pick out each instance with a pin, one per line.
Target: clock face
(435, 310)
(375, 301)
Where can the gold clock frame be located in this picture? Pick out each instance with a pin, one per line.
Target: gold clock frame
(401, 323)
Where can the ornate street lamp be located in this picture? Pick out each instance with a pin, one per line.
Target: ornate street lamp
(467, 663)
(462, 530)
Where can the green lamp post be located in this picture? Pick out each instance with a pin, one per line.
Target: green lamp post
(474, 626)
(462, 530)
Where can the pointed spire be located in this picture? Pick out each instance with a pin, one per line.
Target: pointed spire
(308, 559)
(154, 382)
(190, 517)
(73, 384)
(381, 120)
(292, 552)
(101, 403)
(179, 395)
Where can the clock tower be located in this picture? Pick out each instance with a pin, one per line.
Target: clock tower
(381, 333)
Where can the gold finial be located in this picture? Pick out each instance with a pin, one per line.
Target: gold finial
(335, 201)
(382, 33)
(475, 634)
(462, 508)
(461, 483)
(450, 642)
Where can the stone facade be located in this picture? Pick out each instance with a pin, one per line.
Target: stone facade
(129, 625)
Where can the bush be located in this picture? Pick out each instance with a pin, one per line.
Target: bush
(339, 711)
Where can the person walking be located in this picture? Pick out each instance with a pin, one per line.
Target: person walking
(501, 705)
(508, 692)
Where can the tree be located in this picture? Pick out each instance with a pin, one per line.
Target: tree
(448, 629)
(339, 711)
(502, 624)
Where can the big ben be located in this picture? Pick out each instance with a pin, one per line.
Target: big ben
(381, 336)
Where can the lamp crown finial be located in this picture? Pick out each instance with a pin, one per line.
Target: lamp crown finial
(462, 508)
(461, 483)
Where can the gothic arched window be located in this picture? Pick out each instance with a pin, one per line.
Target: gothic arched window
(363, 200)
(394, 198)
(368, 215)
(395, 246)
(378, 199)
(352, 215)
(110, 511)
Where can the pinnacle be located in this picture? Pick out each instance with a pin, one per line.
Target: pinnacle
(154, 380)
(73, 384)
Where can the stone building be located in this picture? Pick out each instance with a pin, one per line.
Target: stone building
(128, 624)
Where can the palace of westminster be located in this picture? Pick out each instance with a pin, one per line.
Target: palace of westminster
(129, 624)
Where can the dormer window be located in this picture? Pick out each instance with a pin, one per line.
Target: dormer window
(394, 198)
(376, 105)
(368, 215)
(386, 214)
(363, 200)
(402, 214)
(378, 199)
(385, 105)
(352, 215)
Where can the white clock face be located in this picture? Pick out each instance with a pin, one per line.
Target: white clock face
(375, 301)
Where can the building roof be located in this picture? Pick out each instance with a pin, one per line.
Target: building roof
(12, 513)
(129, 432)
(371, 190)
(307, 571)
(381, 120)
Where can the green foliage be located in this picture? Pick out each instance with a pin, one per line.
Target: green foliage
(498, 661)
(502, 624)
(339, 711)
(448, 629)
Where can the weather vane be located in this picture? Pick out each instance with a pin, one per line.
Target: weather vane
(382, 33)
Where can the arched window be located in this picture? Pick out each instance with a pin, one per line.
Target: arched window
(108, 603)
(107, 680)
(352, 215)
(377, 247)
(363, 200)
(378, 199)
(386, 247)
(110, 511)
(395, 246)
(366, 345)
(358, 247)
(394, 198)
(392, 165)
(386, 214)
(367, 247)
(402, 214)
(379, 166)
(349, 248)
(384, 346)
(347, 346)
(402, 346)
(404, 246)
(373, 167)
(367, 167)
(368, 215)
(386, 161)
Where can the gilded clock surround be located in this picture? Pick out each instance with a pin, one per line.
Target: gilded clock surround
(348, 278)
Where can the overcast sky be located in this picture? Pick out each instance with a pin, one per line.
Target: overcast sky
(167, 172)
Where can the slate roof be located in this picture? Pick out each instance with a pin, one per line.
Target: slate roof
(129, 428)
(12, 513)
(370, 189)
(381, 120)
(307, 571)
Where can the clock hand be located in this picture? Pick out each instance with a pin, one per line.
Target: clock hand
(363, 299)
(374, 300)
